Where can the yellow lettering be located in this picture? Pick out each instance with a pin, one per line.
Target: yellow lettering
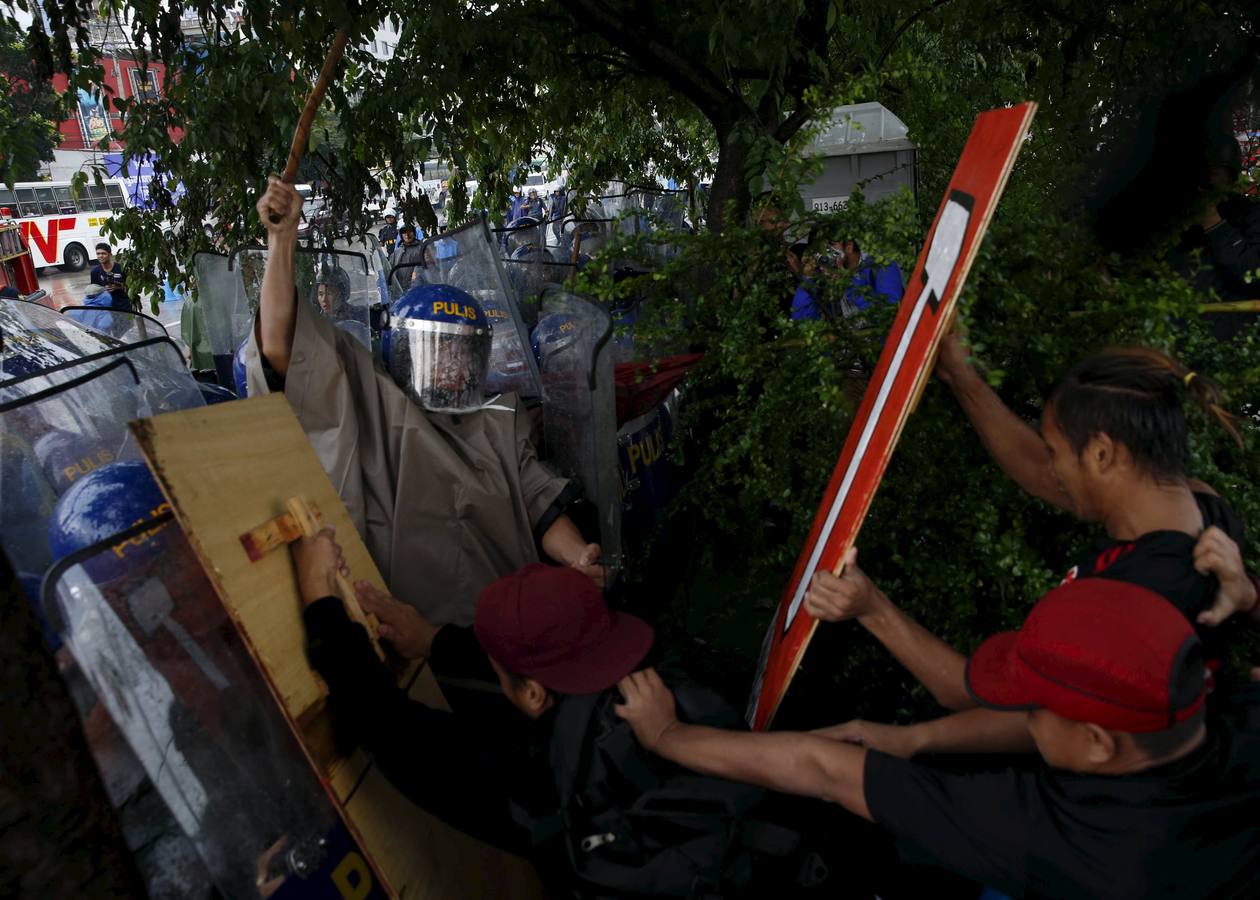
(358, 886)
(120, 549)
(632, 454)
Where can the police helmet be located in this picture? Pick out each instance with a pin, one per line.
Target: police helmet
(103, 504)
(332, 278)
(66, 457)
(213, 393)
(554, 332)
(439, 347)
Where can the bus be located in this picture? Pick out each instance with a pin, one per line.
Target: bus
(59, 229)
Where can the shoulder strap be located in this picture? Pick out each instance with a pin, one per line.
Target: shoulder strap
(569, 746)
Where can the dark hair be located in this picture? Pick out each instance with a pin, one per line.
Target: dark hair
(1134, 395)
(106, 247)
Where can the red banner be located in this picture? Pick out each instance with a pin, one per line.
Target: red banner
(925, 312)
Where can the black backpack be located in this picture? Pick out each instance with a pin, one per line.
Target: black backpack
(632, 824)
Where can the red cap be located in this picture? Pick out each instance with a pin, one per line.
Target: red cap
(551, 624)
(1096, 650)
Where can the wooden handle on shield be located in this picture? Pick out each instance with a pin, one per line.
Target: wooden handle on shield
(313, 100)
(305, 519)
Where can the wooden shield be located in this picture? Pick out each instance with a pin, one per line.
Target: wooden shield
(909, 353)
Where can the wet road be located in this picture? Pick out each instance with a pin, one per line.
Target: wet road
(64, 288)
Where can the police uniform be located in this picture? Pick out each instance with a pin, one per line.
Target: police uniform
(445, 503)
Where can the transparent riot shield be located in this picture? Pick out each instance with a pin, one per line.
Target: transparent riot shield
(124, 325)
(580, 409)
(223, 307)
(49, 439)
(377, 260)
(34, 337)
(339, 284)
(145, 631)
(466, 258)
(583, 237)
(164, 382)
(521, 234)
(529, 272)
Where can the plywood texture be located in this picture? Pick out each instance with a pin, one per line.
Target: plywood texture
(227, 469)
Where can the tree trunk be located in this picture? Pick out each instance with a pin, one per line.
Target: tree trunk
(729, 198)
(59, 836)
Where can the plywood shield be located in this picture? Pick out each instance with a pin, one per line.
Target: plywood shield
(909, 352)
(225, 470)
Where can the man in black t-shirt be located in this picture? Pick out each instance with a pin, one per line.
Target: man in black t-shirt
(1112, 448)
(1144, 793)
(109, 276)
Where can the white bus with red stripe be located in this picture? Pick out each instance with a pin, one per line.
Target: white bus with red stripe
(60, 229)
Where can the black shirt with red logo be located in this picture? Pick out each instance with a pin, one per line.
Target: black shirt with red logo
(1163, 561)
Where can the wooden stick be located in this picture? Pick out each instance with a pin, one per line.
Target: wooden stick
(577, 248)
(313, 100)
(1236, 306)
(306, 519)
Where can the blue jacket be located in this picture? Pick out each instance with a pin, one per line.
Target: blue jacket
(868, 282)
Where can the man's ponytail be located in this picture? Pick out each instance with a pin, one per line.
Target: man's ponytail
(1207, 393)
(1136, 396)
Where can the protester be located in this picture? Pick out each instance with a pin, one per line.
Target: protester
(446, 502)
(560, 784)
(1113, 448)
(109, 276)
(1144, 791)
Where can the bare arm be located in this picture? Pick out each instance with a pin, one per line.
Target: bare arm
(969, 731)
(937, 665)
(277, 310)
(1014, 445)
(565, 544)
(791, 762)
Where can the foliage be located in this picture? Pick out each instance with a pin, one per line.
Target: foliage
(949, 537)
(29, 112)
(612, 89)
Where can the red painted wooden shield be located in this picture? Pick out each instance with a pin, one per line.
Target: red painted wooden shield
(909, 352)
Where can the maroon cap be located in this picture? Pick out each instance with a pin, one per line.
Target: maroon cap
(551, 624)
(1096, 650)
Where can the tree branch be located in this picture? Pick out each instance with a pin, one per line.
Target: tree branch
(718, 102)
(792, 123)
(901, 29)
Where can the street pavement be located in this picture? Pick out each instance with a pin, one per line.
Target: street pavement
(64, 288)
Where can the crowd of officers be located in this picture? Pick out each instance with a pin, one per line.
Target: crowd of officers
(1099, 751)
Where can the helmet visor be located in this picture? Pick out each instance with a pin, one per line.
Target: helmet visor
(442, 366)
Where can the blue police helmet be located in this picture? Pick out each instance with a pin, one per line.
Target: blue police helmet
(103, 504)
(439, 347)
(214, 393)
(238, 370)
(532, 253)
(67, 457)
(554, 332)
